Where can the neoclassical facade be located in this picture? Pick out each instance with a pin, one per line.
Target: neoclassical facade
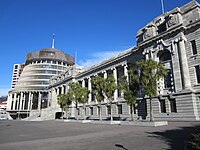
(31, 91)
(172, 39)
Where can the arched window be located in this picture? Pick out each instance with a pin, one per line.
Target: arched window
(165, 59)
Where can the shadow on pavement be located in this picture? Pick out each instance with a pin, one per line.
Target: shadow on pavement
(121, 146)
(176, 138)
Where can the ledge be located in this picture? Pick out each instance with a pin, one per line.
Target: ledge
(106, 122)
(146, 124)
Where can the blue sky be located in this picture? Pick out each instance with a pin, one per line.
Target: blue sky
(95, 29)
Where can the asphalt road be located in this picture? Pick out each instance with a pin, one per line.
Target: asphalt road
(58, 135)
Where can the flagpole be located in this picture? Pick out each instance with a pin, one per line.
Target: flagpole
(162, 5)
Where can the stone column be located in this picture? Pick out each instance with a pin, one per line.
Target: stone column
(29, 100)
(23, 100)
(20, 100)
(62, 90)
(90, 89)
(115, 76)
(186, 83)
(14, 103)
(105, 75)
(126, 70)
(39, 101)
(146, 53)
(83, 83)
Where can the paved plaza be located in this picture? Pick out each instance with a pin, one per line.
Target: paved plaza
(59, 135)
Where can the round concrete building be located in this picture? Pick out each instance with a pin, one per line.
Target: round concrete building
(31, 90)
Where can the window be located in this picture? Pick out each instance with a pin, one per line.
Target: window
(173, 105)
(108, 110)
(162, 28)
(91, 110)
(93, 97)
(46, 53)
(167, 79)
(197, 69)
(162, 106)
(119, 107)
(194, 48)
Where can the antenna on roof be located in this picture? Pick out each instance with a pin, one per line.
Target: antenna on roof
(53, 41)
(162, 5)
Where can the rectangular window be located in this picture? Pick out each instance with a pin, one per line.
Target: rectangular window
(162, 28)
(91, 111)
(173, 105)
(119, 109)
(194, 48)
(16, 66)
(167, 79)
(197, 69)
(108, 110)
(162, 106)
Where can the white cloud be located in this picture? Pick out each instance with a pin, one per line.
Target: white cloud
(97, 57)
(4, 91)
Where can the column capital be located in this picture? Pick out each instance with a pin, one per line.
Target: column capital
(104, 71)
(113, 68)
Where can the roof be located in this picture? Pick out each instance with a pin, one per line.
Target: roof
(51, 54)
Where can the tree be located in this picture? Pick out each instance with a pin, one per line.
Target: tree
(109, 89)
(82, 96)
(150, 72)
(130, 89)
(69, 101)
(63, 100)
(74, 93)
(98, 83)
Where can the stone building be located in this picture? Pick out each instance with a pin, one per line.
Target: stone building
(173, 39)
(31, 90)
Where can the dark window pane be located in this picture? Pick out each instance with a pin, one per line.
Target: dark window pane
(194, 48)
(108, 110)
(91, 110)
(173, 105)
(162, 106)
(197, 69)
(119, 109)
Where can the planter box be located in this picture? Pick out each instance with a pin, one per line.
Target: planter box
(146, 124)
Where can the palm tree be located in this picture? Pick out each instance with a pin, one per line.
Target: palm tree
(130, 90)
(150, 72)
(68, 101)
(98, 83)
(62, 100)
(74, 93)
(82, 96)
(109, 90)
